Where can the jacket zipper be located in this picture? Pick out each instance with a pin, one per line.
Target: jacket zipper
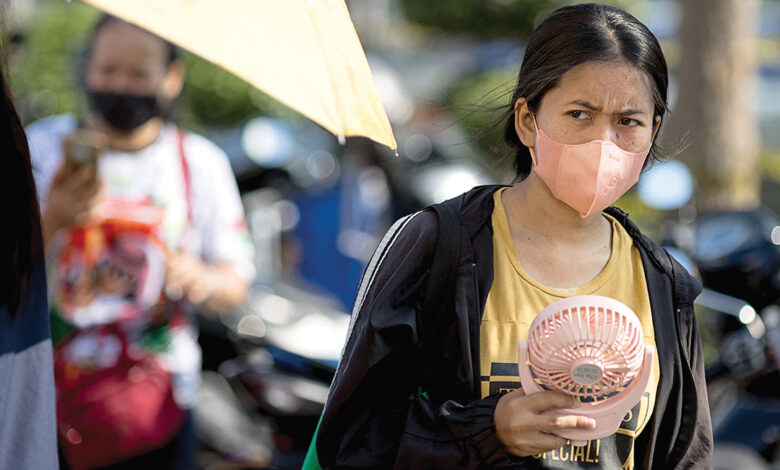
(476, 328)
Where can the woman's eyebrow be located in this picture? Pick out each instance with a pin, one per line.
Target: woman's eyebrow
(630, 112)
(592, 107)
(585, 104)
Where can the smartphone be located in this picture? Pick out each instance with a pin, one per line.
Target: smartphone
(83, 147)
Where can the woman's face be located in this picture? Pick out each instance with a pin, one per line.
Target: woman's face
(596, 100)
(127, 60)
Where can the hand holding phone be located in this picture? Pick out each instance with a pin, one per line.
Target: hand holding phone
(74, 191)
(82, 148)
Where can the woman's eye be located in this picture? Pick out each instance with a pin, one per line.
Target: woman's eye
(628, 122)
(580, 115)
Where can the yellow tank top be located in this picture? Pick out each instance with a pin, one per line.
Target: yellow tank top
(514, 300)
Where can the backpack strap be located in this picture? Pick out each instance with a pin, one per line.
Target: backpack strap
(439, 298)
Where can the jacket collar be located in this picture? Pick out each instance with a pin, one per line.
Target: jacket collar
(477, 209)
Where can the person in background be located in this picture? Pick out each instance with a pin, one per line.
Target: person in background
(142, 232)
(28, 436)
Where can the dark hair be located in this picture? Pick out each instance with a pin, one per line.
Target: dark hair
(576, 34)
(20, 243)
(106, 19)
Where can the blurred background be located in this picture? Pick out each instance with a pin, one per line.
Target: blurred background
(445, 71)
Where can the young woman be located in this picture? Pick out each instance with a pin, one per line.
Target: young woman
(28, 432)
(590, 98)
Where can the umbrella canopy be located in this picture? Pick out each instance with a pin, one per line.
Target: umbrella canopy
(304, 53)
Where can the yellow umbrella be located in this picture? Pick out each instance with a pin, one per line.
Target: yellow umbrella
(304, 53)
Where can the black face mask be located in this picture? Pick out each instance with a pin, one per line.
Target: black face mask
(122, 111)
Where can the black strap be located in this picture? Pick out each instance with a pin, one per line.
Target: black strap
(440, 292)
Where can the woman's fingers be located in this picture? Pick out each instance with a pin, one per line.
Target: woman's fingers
(59, 176)
(536, 443)
(549, 400)
(188, 276)
(526, 423)
(555, 423)
(547, 442)
(82, 180)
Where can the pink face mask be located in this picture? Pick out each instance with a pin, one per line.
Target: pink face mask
(588, 177)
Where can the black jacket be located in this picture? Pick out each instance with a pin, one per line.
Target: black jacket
(376, 415)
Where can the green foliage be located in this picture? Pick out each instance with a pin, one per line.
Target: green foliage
(479, 103)
(45, 72)
(215, 97)
(488, 18)
(484, 18)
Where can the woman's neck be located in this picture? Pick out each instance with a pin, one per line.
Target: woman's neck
(534, 211)
(554, 244)
(128, 141)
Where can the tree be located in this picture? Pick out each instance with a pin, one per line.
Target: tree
(715, 113)
(484, 18)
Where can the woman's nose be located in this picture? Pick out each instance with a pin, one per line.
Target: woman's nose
(120, 83)
(606, 131)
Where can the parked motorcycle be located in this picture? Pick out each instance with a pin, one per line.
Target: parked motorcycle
(735, 254)
(737, 257)
(271, 361)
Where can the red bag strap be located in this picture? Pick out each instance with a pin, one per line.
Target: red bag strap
(172, 311)
(185, 170)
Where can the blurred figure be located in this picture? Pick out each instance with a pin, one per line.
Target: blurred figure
(27, 423)
(142, 222)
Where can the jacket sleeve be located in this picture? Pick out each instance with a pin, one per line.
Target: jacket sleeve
(699, 453)
(376, 415)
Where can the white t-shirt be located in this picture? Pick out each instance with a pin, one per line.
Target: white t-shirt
(153, 179)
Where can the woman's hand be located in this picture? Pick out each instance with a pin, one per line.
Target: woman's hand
(215, 288)
(525, 431)
(71, 200)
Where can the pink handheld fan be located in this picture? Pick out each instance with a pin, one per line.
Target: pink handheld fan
(590, 347)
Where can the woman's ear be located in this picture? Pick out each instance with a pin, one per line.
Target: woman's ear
(524, 123)
(656, 128)
(174, 80)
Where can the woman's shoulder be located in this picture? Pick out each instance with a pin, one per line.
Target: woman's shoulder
(201, 152)
(421, 228)
(52, 125)
(44, 137)
(416, 231)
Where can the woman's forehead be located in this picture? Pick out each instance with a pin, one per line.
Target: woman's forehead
(605, 84)
(118, 39)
